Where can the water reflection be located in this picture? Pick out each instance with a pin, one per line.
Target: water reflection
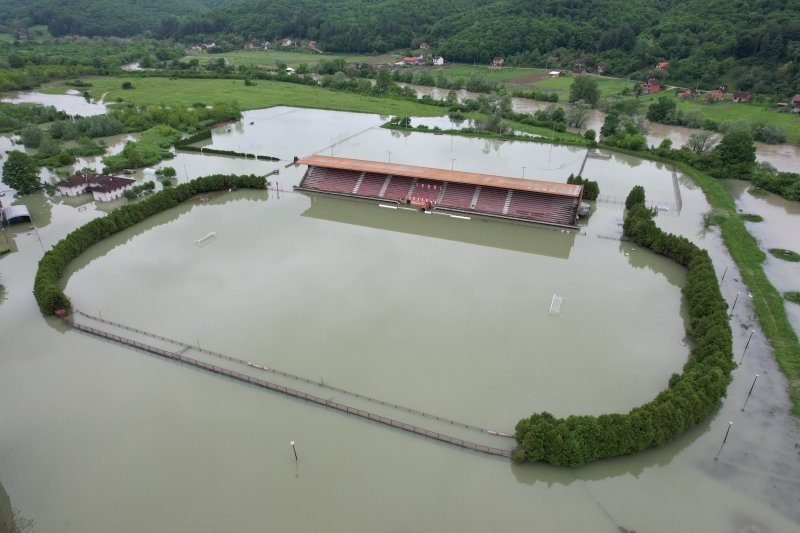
(483, 232)
(105, 246)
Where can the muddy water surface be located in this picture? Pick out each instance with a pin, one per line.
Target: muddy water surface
(449, 316)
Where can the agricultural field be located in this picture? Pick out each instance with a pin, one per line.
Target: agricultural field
(269, 58)
(153, 91)
(504, 74)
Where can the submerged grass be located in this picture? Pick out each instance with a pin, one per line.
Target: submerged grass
(767, 301)
(786, 255)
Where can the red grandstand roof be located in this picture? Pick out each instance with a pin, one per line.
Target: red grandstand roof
(453, 176)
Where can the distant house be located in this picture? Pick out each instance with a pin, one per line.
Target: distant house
(651, 86)
(662, 66)
(718, 93)
(286, 42)
(438, 61)
(689, 92)
(207, 45)
(410, 60)
(796, 101)
(497, 62)
(553, 74)
(741, 96)
(423, 46)
(312, 44)
(579, 71)
(601, 67)
(265, 45)
(248, 46)
(419, 60)
(103, 188)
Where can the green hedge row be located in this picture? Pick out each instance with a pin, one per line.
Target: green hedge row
(46, 287)
(185, 144)
(689, 398)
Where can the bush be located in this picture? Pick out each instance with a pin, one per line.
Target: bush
(591, 189)
(635, 197)
(127, 85)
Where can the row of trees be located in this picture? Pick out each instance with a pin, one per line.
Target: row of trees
(47, 289)
(689, 398)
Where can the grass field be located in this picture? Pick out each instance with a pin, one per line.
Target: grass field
(269, 58)
(731, 111)
(607, 86)
(185, 92)
(492, 74)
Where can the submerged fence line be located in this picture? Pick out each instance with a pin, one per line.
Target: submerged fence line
(294, 393)
(186, 347)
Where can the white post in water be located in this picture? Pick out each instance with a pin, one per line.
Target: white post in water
(294, 450)
(723, 440)
(749, 393)
(746, 345)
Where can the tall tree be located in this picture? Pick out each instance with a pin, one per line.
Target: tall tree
(584, 88)
(20, 173)
(736, 156)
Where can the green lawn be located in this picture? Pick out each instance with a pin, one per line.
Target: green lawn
(149, 91)
(269, 58)
(456, 70)
(607, 86)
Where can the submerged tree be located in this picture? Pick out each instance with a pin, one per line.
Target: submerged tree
(20, 172)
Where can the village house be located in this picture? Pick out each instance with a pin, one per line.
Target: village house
(718, 94)
(579, 71)
(423, 46)
(286, 42)
(497, 62)
(651, 86)
(689, 92)
(438, 61)
(553, 74)
(741, 96)
(662, 66)
(796, 101)
(103, 188)
(601, 67)
(312, 44)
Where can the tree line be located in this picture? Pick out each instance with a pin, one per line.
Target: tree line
(689, 398)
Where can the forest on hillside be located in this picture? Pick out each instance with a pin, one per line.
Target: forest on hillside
(95, 17)
(753, 45)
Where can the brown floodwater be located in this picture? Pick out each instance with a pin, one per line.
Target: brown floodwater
(443, 315)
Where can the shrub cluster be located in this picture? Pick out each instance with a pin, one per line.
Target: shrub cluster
(689, 398)
(591, 189)
(536, 95)
(46, 287)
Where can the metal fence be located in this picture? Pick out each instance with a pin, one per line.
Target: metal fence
(292, 392)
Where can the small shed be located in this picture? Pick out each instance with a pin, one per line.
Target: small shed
(15, 214)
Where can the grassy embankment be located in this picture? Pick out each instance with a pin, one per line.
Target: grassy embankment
(185, 92)
(767, 301)
(151, 147)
